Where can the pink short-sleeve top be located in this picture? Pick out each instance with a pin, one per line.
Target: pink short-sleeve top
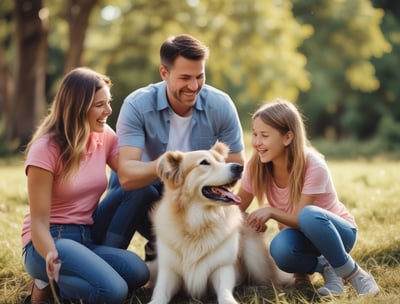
(73, 201)
(317, 181)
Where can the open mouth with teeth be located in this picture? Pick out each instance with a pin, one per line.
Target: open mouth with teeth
(221, 193)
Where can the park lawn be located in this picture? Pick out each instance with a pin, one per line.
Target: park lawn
(369, 189)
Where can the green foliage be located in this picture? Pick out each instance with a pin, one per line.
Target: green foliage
(389, 133)
(352, 148)
(8, 147)
(347, 37)
(383, 104)
(320, 54)
(337, 59)
(241, 62)
(5, 31)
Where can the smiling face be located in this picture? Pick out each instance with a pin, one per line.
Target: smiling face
(100, 109)
(184, 81)
(269, 143)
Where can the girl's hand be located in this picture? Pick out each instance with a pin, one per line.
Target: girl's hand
(53, 265)
(257, 219)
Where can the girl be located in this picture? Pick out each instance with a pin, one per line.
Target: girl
(66, 171)
(317, 232)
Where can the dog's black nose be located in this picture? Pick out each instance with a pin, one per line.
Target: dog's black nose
(237, 169)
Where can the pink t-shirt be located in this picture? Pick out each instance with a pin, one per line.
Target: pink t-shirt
(73, 201)
(317, 181)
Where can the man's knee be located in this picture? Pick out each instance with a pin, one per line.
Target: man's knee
(113, 181)
(143, 197)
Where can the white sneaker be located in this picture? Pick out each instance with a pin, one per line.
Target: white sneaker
(363, 282)
(333, 283)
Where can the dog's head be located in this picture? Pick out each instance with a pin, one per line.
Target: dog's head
(202, 173)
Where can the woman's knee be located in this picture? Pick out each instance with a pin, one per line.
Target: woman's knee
(114, 292)
(135, 271)
(127, 264)
(140, 275)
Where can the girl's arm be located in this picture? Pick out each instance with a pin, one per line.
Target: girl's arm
(246, 199)
(40, 184)
(258, 218)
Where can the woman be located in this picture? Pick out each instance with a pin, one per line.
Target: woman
(317, 231)
(66, 173)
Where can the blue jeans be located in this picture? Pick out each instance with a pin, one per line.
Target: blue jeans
(321, 233)
(89, 272)
(121, 213)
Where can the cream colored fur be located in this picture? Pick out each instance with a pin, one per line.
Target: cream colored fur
(203, 245)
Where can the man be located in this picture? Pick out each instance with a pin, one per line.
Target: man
(179, 113)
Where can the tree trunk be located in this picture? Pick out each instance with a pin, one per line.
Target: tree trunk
(31, 21)
(77, 16)
(5, 89)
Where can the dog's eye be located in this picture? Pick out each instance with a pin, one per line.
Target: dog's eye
(205, 162)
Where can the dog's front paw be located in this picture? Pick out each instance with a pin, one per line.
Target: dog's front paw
(228, 301)
(154, 301)
(227, 298)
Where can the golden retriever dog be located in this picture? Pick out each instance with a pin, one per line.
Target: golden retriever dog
(202, 242)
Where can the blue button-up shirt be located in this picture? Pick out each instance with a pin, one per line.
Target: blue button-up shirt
(144, 118)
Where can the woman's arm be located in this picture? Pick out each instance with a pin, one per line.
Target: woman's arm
(40, 184)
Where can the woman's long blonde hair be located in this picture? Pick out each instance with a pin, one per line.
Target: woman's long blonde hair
(282, 115)
(67, 123)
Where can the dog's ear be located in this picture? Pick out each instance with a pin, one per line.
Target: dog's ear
(221, 148)
(169, 168)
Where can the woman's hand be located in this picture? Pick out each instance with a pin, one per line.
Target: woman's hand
(257, 219)
(53, 265)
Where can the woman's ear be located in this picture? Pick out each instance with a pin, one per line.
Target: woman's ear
(288, 138)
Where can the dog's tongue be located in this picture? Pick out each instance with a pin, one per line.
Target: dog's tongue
(224, 192)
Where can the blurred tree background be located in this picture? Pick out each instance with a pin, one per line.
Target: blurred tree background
(338, 60)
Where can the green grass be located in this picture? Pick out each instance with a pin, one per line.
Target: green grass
(370, 190)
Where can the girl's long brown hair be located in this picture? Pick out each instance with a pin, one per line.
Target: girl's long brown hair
(66, 122)
(283, 116)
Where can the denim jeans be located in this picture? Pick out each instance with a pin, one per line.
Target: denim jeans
(89, 272)
(321, 233)
(121, 213)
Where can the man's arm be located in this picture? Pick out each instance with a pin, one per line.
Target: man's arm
(236, 158)
(132, 172)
